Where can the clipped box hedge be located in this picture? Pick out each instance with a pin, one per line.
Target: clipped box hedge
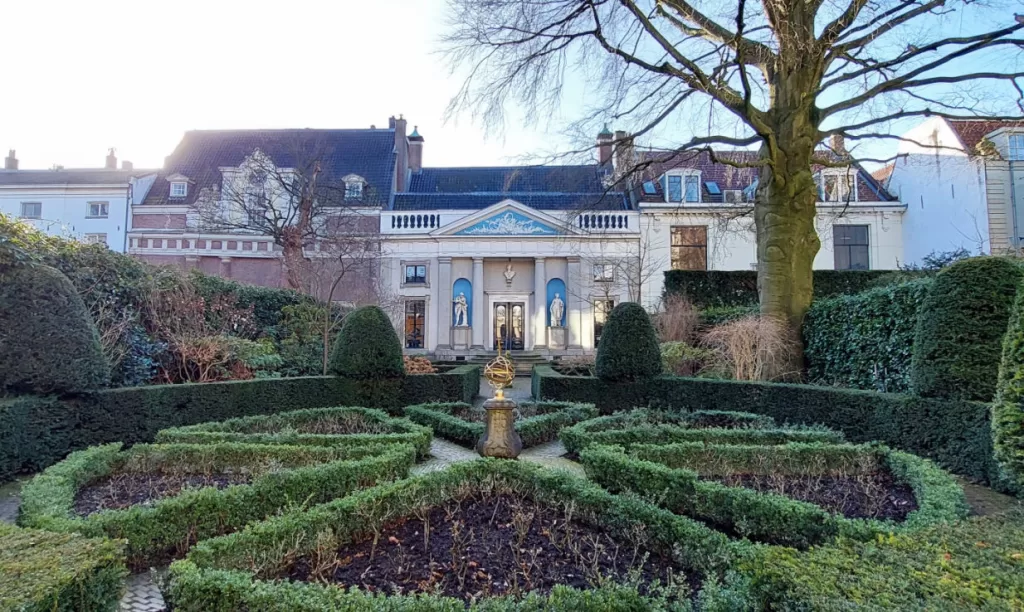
(739, 287)
(544, 426)
(42, 571)
(165, 528)
(283, 428)
(955, 434)
(459, 384)
(670, 475)
(238, 571)
(643, 426)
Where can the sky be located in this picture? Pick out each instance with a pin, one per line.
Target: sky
(85, 76)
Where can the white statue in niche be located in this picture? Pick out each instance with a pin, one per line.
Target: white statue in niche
(557, 310)
(461, 310)
(509, 274)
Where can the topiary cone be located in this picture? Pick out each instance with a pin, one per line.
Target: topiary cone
(629, 345)
(367, 347)
(48, 341)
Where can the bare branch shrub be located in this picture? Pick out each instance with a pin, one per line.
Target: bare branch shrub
(677, 321)
(754, 348)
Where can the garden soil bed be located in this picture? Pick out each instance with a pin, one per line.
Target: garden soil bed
(876, 495)
(120, 491)
(333, 425)
(490, 546)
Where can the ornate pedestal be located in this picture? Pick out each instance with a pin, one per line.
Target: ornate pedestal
(557, 338)
(500, 439)
(461, 337)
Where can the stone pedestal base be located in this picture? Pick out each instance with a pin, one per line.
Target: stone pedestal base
(500, 439)
(461, 337)
(557, 338)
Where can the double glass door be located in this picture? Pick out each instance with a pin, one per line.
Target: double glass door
(508, 325)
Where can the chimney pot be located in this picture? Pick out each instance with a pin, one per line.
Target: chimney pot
(402, 150)
(838, 144)
(604, 146)
(111, 160)
(127, 165)
(415, 150)
(10, 162)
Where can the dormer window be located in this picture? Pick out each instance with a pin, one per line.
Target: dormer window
(179, 189)
(354, 187)
(837, 185)
(1016, 147)
(683, 186)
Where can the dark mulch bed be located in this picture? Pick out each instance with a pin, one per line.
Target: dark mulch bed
(333, 425)
(119, 491)
(490, 546)
(876, 495)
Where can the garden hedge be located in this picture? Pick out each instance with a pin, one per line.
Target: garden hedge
(367, 347)
(670, 476)
(235, 572)
(960, 329)
(48, 341)
(1008, 407)
(266, 302)
(41, 571)
(628, 349)
(293, 476)
(654, 427)
(955, 434)
(864, 341)
(282, 428)
(712, 288)
(549, 419)
(36, 432)
(973, 565)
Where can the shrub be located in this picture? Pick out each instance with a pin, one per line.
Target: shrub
(677, 321)
(48, 343)
(285, 476)
(753, 348)
(716, 315)
(235, 571)
(461, 383)
(865, 341)
(629, 347)
(1008, 407)
(960, 328)
(59, 572)
(265, 303)
(681, 359)
(956, 434)
(973, 565)
(367, 347)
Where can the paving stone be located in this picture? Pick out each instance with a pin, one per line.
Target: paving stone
(10, 500)
(142, 595)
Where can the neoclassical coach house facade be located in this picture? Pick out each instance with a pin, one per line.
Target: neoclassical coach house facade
(527, 258)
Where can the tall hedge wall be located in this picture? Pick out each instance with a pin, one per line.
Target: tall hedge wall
(956, 434)
(1008, 407)
(739, 287)
(865, 341)
(960, 329)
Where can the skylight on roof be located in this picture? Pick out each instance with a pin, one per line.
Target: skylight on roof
(649, 188)
(712, 188)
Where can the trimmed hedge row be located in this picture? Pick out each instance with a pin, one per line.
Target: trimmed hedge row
(670, 477)
(544, 426)
(1008, 406)
(972, 565)
(865, 341)
(234, 572)
(282, 428)
(955, 434)
(36, 432)
(739, 287)
(59, 572)
(168, 527)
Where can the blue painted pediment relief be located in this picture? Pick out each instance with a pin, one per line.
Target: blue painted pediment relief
(508, 223)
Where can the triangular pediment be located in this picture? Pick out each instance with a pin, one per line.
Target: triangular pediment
(506, 218)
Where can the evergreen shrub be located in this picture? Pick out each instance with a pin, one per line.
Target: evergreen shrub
(367, 349)
(1008, 406)
(629, 345)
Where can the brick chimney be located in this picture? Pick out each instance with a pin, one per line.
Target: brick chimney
(401, 150)
(604, 146)
(415, 150)
(10, 162)
(625, 159)
(837, 143)
(127, 165)
(111, 160)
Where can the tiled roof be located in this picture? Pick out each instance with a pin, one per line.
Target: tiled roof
(882, 174)
(540, 187)
(368, 153)
(82, 176)
(539, 201)
(971, 131)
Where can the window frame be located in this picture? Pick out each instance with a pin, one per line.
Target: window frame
(679, 229)
(837, 248)
(684, 176)
(31, 203)
(849, 173)
(104, 209)
(354, 190)
(607, 273)
(1015, 152)
(96, 238)
(415, 283)
(608, 305)
(184, 189)
(420, 325)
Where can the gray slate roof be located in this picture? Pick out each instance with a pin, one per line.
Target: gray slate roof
(82, 176)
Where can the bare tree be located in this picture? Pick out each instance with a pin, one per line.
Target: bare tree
(780, 74)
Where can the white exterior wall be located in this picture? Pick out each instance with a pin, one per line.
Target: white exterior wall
(65, 210)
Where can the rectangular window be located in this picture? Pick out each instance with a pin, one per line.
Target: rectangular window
(851, 247)
(31, 210)
(692, 188)
(415, 313)
(689, 247)
(604, 272)
(95, 238)
(675, 188)
(353, 190)
(99, 209)
(601, 310)
(415, 274)
(837, 187)
(1016, 147)
(179, 190)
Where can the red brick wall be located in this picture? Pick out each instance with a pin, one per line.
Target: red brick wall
(158, 221)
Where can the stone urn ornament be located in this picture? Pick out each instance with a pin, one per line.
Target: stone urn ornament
(500, 439)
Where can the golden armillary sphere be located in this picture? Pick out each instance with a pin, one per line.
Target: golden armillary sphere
(500, 372)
